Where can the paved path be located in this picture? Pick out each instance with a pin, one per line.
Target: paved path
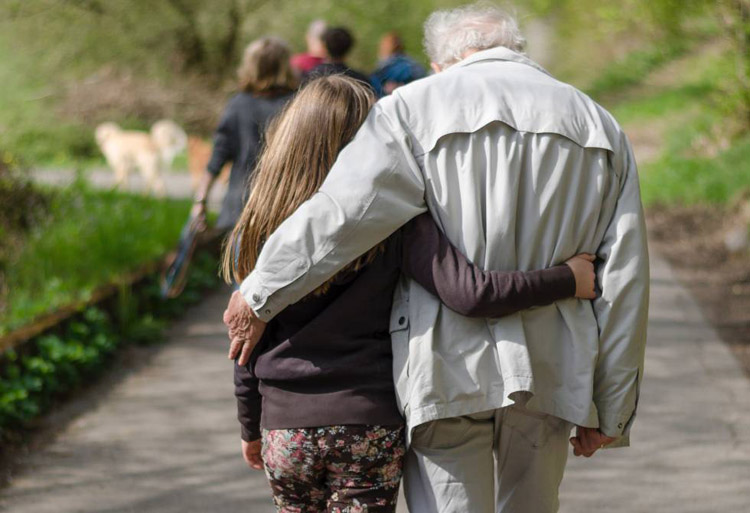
(691, 443)
(164, 438)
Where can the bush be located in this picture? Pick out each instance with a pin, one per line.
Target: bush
(55, 364)
(23, 207)
(633, 68)
(89, 238)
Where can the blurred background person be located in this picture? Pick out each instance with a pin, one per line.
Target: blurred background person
(395, 68)
(304, 63)
(338, 43)
(266, 83)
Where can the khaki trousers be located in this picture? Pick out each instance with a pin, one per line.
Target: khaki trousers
(509, 460)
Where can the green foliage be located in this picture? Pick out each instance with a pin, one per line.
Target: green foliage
(23, 206)
(55, 364)
(59, 363)
(91, 238)
(703, 160)
(681, 179)
(630, 70)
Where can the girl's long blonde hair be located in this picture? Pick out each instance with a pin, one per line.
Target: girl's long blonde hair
(301, 147)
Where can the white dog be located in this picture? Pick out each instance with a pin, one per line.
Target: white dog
(150, 153)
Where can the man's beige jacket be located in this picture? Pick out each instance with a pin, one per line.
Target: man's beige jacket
(521, 171)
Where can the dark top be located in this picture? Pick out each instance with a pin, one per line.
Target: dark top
(335, 68)
(395, 71)
(327, 359)
(238, 138)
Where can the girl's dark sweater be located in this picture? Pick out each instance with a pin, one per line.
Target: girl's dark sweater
(327, 359)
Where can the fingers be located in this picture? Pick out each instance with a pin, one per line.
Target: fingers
(255, 462)
(247, 348)
(589, 440)
(234, 348)
(587, 256)
(251, 453)
(576, 446)
(589, 294)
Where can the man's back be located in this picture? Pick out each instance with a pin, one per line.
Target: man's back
(522, 172)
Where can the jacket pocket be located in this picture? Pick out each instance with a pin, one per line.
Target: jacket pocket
(535, 427)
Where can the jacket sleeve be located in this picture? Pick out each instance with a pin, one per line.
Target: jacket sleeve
(225, 140)
(622, 307)
(429, 258)
(374, 187)
(249, 400)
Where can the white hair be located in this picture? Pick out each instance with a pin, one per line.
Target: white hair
(316, 29)
(449, 34)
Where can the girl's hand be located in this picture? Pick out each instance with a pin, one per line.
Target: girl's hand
(583, 269)
(251, 454)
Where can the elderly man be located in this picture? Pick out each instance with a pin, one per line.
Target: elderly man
(521, 172)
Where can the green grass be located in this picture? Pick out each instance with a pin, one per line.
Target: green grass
(75, 352)
(630, 70)
(90, 238)
(692, 106)
(684, 180)
(663, 103)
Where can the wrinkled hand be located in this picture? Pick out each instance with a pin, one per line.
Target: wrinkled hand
(589, 440)
(251, 454)
(583, 269)
(245, 329)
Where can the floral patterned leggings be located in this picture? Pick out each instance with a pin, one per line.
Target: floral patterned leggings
(334, 469)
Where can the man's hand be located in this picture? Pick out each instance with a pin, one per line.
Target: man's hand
(589, 440)
(583, 269)
(251, 454)
(245, 329)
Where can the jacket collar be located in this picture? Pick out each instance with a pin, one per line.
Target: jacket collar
(500, 53)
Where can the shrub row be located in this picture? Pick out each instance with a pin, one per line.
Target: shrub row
(59, 362)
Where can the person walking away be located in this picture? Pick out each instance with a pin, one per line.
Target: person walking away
(338, 43)
(266, 83)
(303, 63)
(395, 68)
(320, 384)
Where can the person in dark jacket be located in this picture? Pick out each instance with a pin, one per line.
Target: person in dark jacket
(395, 68)
(338, 42)
(319, 386)
(266, 83)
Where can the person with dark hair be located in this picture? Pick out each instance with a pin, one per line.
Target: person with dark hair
(395, 68)
(338, 42)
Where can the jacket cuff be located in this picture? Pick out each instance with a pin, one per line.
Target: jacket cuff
(618, 427)
(562, 281)
(256, 295)
(250, 434)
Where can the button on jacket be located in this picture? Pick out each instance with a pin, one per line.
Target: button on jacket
(520, 171)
